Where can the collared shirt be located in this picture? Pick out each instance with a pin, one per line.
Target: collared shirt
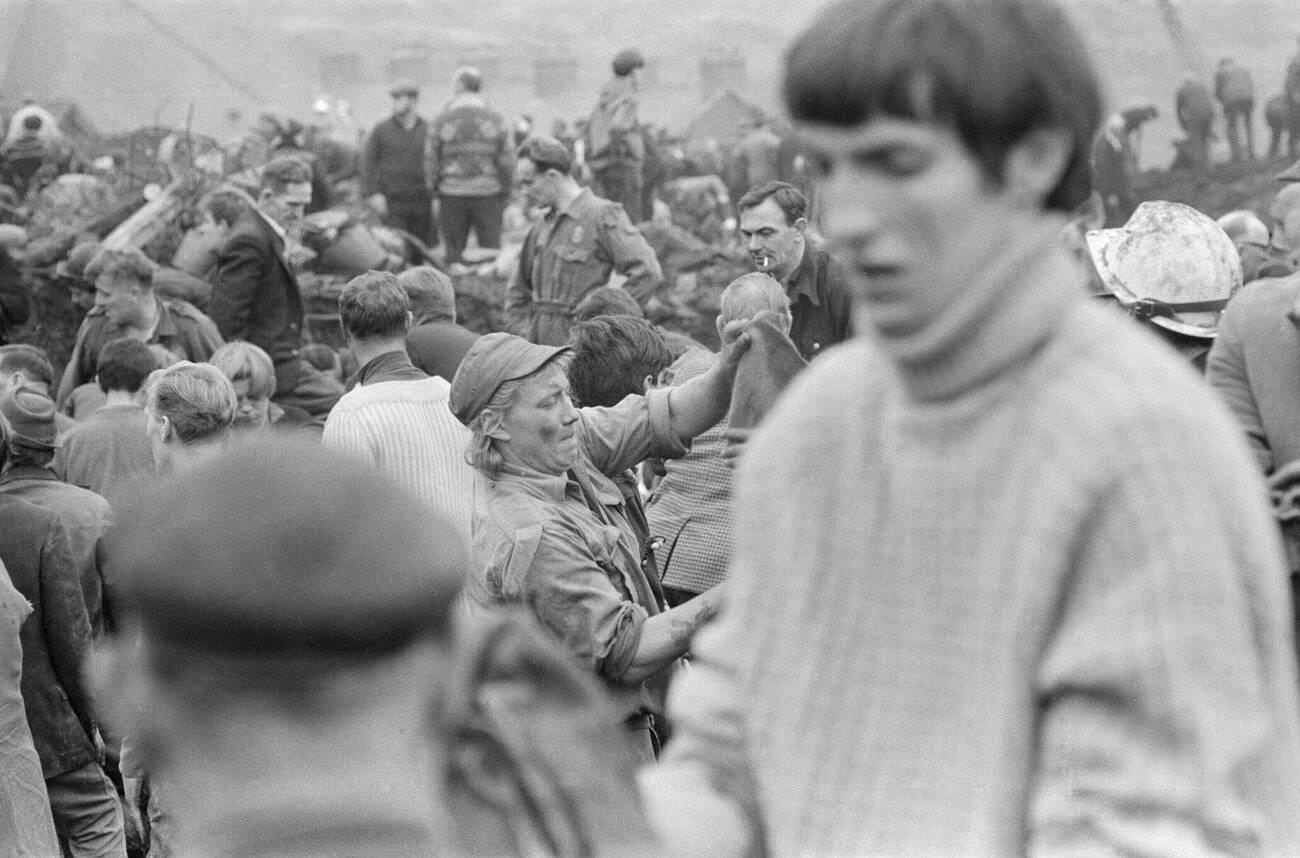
(389, 366)
(561, 544)
(821, 305)
(274, 224)
(566, 255)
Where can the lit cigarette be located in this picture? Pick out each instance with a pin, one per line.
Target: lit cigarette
(762, 260)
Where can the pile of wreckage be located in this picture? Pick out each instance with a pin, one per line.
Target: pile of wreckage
(143, 190)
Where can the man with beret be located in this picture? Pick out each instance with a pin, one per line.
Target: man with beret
(574, 248)
(293, 611)
(34, 548)
(126, 305)
(393, 179)
(29, 450)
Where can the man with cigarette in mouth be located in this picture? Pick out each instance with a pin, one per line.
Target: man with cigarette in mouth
(773, 220)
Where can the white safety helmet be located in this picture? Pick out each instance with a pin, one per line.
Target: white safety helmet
(1171, 265)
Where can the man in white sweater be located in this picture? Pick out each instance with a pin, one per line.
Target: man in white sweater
(1005, 580)
(396, 416)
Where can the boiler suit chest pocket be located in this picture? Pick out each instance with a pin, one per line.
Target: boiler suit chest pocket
(576, 263)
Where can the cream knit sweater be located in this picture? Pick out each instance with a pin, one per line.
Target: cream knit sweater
(1032, 603)
(406, 428)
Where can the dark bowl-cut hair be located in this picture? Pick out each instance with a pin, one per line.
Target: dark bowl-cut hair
(991, 70)
(612, 355)
(374, 304)
(124, 364)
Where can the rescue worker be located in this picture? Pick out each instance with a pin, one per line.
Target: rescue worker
(1195, 111)
(615, 149)
(1172, 268)
(1235, 90)
(573, 249)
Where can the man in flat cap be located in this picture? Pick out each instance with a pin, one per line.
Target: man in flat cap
(292, 608)
(27, 475)
(572, 249)
(615, 150)
(34, 548)
(393, 176)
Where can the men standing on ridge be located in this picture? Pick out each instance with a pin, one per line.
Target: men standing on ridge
(615, 150)
(470, 164)
(392, 167)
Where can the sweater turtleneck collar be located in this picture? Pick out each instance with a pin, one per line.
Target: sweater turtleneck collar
(1015, 297)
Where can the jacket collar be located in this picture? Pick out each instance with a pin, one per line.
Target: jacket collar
(14, 473)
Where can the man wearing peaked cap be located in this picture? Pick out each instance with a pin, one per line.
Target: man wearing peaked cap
(35, 549)
(290, 602)
(28, 475)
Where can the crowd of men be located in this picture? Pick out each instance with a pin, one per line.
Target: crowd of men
(974, 536)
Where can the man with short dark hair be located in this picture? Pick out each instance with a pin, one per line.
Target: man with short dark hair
(1005, 579)
(396, 417)
(573, 249)
(255, 295)
(393, 178)
(435, 343)
(26, 365)
(110, 450)
(127, 305)
(471, 164)
(773, 222)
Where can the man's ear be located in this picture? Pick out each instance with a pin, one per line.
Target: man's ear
(165, 429)
(801, 225)
(1035, 165)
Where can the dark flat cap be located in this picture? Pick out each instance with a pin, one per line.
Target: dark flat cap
(493, 360)
(404, 87)
(627, 61)
(285, 548)
(29, 416)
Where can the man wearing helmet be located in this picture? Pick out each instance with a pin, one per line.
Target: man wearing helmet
(1032, 602)
(1172, 268)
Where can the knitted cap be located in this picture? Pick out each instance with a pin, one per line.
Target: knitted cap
(493, 360)
(29, 415)
(281, 547)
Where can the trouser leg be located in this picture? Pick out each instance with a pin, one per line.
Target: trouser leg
(1248, 120)
(1230, 116)
(454, 221)
(486, 214)
(87, 813)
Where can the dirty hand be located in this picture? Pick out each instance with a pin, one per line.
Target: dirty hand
(379, 203)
